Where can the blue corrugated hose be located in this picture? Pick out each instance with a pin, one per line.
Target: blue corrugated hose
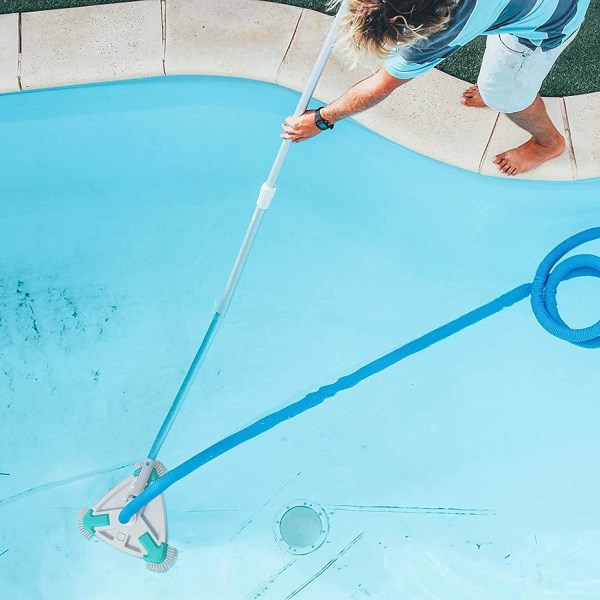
(543, 302)
(546, 281)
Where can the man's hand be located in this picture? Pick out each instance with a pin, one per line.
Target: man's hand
(300, 128)
(363, 95)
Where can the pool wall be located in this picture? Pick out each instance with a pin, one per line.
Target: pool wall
(277, 44)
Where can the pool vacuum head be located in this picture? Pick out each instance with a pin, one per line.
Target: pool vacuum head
(145, 535)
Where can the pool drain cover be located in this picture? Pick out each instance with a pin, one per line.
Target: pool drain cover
(301, 527)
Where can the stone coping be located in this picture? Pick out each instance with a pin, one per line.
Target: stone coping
(276, 43)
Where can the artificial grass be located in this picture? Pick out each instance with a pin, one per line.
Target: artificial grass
(576, 72)
(13, 6)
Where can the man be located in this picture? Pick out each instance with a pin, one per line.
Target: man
(524, 39)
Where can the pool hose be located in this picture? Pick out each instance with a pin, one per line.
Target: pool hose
(543, 302)
(546, 282)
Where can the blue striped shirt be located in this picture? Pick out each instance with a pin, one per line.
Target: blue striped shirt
(536, 23)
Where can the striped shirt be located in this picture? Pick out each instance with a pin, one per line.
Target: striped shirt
(536, 23)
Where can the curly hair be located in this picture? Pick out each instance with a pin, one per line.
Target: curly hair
(378, 26)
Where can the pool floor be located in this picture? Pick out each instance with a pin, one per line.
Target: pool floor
(467, 470)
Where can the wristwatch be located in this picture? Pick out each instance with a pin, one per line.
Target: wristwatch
(321, 122)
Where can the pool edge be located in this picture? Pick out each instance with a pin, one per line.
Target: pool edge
(196, 37)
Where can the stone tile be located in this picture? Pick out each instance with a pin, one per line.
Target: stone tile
(88, 44)
(305, 47)
(235, 38)
(9, 53)
(426, 115)
(583, 114)
(508, 135)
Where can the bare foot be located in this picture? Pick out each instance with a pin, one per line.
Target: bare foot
(471, 97)
(528, 156)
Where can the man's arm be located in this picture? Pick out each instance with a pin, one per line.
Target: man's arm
(363, 95)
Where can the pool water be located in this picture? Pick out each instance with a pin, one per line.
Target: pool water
(466, 470)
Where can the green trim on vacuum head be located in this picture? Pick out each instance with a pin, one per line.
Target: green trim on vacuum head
(153, 476)
(156, 553)
(90, 521)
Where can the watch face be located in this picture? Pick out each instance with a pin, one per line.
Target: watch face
(322, 126)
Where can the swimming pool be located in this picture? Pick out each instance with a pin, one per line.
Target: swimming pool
(466, 470)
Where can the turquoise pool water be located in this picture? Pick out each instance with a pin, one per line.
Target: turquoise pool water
(467, 470)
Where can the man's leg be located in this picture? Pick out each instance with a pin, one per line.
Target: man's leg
(510, 78)
(546, 141)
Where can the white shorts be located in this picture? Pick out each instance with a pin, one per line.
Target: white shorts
(511, 74)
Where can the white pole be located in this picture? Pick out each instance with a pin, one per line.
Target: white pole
(267, 191)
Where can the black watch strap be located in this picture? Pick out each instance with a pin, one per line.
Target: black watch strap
(321, 122)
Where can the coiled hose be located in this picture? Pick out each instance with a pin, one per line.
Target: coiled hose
(543, 302)
(546, 282)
